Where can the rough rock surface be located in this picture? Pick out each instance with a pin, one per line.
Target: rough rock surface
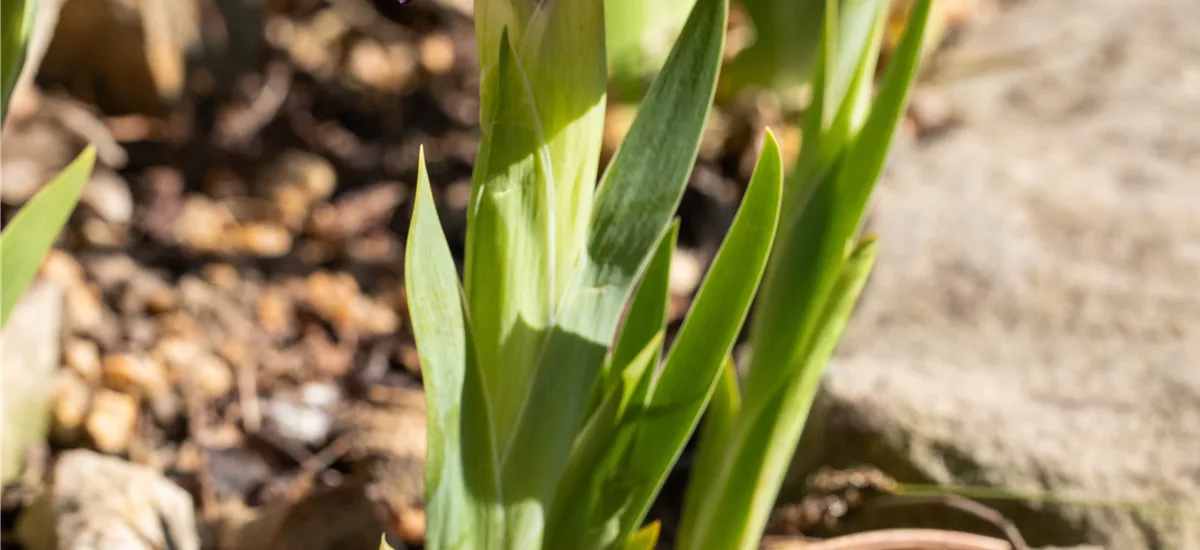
(99, 502)
(30, 356)
(1033, 322)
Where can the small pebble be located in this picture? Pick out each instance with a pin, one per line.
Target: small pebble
(382, 68)
(329, 358)
(61, 269)
(375, 319)
(109, 196)
(333, 297)
(72, 399)
(112, 420)
(178, 324)
(111, 271)
(313, 173)
(275, 312)
(212, 377)
(686, 272)
(292, 204)
(102, 234)
(263, 239)
(83, 356)
(223, 276)
(135, 374)
(437, 53)
(309, 425)
(85, 311)
(319, 394)
(202, 225)
(177, 353)
(162, 300)
(458, 195)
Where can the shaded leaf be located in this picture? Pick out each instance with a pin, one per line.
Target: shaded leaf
(693, 365)
(719, 418)
(728, 508)
(648, 311)
(586, 511)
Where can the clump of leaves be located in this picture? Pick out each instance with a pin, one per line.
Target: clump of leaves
(553, 426)
(817, 270)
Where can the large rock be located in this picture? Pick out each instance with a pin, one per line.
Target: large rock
(98, 502)
(125, 55)
(29, 352)
(1033, 322)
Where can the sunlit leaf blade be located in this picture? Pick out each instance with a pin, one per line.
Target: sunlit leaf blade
(31, 233)
(815, 239)
(860, 33)
(586, 510)
(865, 160)
(693, 365)
(860, 28)
(16, 24)
(726, 402)
(560, 45)
(728, 508)
(563, 54)
(508, 272)
(637, 34)
(818, 151)
(494, 18)
(645, 538)
(634, 206)
(461, 490)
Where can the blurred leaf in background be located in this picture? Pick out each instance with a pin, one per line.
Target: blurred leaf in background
(638, 37)
(31, 233)
(16, 25)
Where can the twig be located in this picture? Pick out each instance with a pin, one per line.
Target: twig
(893, 539)
(981, 511)
(247, 381)
(237, 128)
(317, 463)
(82, 122)
(195, 427)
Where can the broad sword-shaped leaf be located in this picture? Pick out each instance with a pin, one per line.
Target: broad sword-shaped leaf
(462, 490)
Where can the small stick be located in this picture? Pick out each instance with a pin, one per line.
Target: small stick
(317, 463)
(893, 539)
(237, 128)
(1010, 531)
(248, 397)
(204, 477)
